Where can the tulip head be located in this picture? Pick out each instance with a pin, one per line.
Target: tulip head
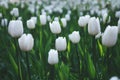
(53, 57)
(26, 42)
(61, 44)
(74, 37)
(43, 19)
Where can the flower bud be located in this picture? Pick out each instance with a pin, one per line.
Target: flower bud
(61, 43)
(83, 21)
(74, 37)
(53, 57)
(34, 19)
(4, 22)
(26, 42)
(64, 22)
(110, 36)
(114, 78)
(15, 28)
(15, 12)
(67, 16)
(55, 27)
(43, 19)
(30, 24)
(94, 26)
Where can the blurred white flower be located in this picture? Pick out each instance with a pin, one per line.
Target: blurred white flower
(48, 18)
(114, 78)
(117, 14)
(64, 22)
(34, 19)
(26, 42)
(56, 19)
(4, 22)
(74, 37)
(30, 24)
(15, 28)
(43, 19)
(53, 56)
(15, 12)
(61, 43)
(67, 16)
(55, 27)
(106, 18)
(83, 20)
(98, 35)
(119, 25)
(110, 36)
(14, 1)
(94, 26)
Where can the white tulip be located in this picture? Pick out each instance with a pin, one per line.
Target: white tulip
(74, 37)
(114, 78)
(55, 27)
(34, 19)
(26, 42)
(4, 22)
(119, 25)
(43, 19)
(56, 19)
(64, 22)
(53, 57)
(30, 24)
(61, 43)
(67, 16)
(83, 21)
(15, 28)
(110, 36)
(117, 14)
(15, 12)
(94, 26)
(48, 18)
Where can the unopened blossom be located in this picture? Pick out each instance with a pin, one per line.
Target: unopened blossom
(64, 22)
(15, 12)
(43, 19)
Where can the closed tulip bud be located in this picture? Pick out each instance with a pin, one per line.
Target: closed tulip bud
(110, 36)
(94, 26)
(117, 14)
(61, 43)
(56, 19)
(53, 57)
(30, 24)
(64, 22)
(74, 37)
(15, 12)
(43, 19)
(114, 78)
(15, 28)
(4, 22)
(67, 16)
(34, 19)
(26, 42)
(119, 25)
(55, 27)
(83, 21)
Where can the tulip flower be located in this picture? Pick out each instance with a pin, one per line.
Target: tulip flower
(94, 26)
(43, 19)
(30, 24)
(15, 12)
(74, 37)
(64, 22)
(55, 27)
(114, 78)
(4, 22)
(119, 25)
(26, 42)
(83, 20)
(15, 28)
(67, 16)
(110, 36)
(53, 57)
(34, 19)
(61, 43)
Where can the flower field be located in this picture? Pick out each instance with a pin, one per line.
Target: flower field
(59, 40)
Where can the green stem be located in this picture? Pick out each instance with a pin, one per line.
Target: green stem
(28, 67)
(52, 72)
